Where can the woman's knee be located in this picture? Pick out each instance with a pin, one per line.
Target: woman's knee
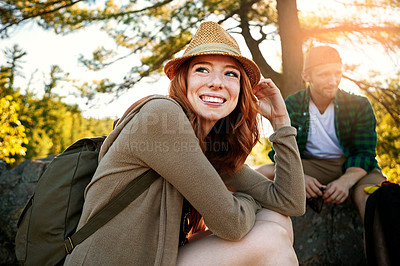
(267, 235)
(282, 220)
(269, 241)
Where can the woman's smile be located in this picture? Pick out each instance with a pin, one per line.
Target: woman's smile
(212, 99)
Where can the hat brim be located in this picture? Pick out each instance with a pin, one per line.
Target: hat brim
(251, 69)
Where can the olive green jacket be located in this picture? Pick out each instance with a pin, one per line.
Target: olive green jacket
(158, 135)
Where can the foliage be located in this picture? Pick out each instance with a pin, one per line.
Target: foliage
(51, 126)
(34, 127)
(12, 132)
(388, 128)
(15, 12)
(259, 154)
(388, 148)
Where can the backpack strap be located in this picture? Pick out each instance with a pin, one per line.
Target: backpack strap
(135, 188)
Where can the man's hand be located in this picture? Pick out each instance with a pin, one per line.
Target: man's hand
(338, 190)
(271, 103)
(313, 187)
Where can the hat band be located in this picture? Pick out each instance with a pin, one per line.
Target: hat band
(213, 47)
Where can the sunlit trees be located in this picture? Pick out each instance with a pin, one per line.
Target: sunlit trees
(258, 154)
(12, 132)
(156, 30)
(32, 126)
(388, 125)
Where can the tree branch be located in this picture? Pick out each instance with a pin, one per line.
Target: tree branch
(366, 88)
(38, 14)
(133, 11)
(361, 4)
(252, 44)
(350, 28)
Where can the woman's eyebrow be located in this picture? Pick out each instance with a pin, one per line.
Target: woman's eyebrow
(233, 66)
(209, 63)
(202, 63)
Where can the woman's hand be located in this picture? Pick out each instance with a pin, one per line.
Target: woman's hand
(271, 103)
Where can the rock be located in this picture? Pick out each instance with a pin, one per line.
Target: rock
(332, 237)
(3, 166)
(16, 187)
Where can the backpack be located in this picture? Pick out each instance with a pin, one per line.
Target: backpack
(47, 224)
(383, 204)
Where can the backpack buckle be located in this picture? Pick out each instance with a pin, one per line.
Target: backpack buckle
(69, 246)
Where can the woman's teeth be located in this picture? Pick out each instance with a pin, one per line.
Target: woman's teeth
(212, 99)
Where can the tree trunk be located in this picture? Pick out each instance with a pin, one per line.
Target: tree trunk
(291, 43)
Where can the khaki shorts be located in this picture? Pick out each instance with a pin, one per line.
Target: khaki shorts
(327, 170)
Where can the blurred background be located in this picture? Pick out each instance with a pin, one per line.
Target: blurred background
(70, 67)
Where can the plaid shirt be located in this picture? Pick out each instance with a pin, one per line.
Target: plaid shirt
(355, 125)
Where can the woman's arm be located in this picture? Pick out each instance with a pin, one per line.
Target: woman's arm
(174, 152)
(286, 194)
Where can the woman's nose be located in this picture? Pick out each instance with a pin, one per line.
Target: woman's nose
(215, 81)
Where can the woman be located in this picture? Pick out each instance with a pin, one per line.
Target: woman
(197, 140)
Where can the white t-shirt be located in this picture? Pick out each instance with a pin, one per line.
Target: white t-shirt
(322, 140)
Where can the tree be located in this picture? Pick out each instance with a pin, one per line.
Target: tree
(157, 30)
(15, 12)
(12, 132)
(258, 156)
(388, 145)
(33, 127)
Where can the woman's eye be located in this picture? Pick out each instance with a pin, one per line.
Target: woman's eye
(232, 74)
(201, 69)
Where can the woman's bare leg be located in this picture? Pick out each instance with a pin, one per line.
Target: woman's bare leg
(268, 243)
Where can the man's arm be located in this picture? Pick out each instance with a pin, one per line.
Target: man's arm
(361, 145)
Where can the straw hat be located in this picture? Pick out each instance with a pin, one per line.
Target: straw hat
(211, 38)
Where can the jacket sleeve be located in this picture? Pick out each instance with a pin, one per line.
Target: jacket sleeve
(362, 152)
(286, 194)
(170, 147)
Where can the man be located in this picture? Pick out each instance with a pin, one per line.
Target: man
(336, 134)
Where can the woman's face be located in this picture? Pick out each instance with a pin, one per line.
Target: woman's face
(213, 87)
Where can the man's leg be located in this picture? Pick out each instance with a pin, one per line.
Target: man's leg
(324, 170)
